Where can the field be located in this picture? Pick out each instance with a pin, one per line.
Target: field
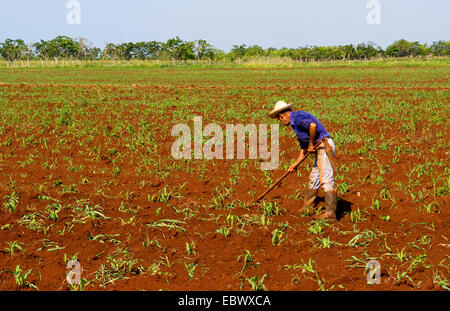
(87, 174)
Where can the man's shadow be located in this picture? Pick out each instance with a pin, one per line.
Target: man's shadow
(343, 207)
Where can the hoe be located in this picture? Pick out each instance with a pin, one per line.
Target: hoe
(259, 198)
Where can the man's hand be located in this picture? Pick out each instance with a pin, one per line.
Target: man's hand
(311, 148)
(292, 168)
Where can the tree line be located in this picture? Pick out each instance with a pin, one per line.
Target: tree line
(63, 48)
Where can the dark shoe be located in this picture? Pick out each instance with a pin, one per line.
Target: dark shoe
(330, 203)
(309, 200)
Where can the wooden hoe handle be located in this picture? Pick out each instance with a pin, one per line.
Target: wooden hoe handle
(282, 177)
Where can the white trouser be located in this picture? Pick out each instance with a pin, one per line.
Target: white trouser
(322, 171)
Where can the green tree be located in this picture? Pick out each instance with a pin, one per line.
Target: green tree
(93, 53)
(366, 50)
(440, 48)
(172, 48)
(402, 48)
(202, 49)
(238, 52)
(349, 52)
(86, 50)
(111, 51)
(186, 51)
(216, 55)
(154, 49)
(12, 50)
(127, 50)
(61, 47)
(254, 51)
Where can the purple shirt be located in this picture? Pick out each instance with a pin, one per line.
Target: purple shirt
(300, 121)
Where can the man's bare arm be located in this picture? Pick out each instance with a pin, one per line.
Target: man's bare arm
(312, 136)
(300, 157)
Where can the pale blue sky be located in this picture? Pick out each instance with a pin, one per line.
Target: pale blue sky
(276, 23)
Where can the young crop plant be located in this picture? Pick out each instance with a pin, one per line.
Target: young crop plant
(357, 216)
(225, 231)
(441, 280)
(121, 263)
(187, 212)
(309, 268)
(73, 257)
(356, 262)
(268, 177)
(50, 246)
(277, 237)
(234, 173)
(165, 195)
(433, 207)
(33, 221)
(11, 202)
(72, 188)
(248, 260)
(12, 247)
(445, 188)
(376, 205)
(219, 199)
(53, 210)
(21, 277)
(84, 283)
(190, 248)
(147, 242)
(270, 209)
(85, 211)
(122, 208)
(326, 242)
(190, 268)
(316, 226)
(343, 187)
(102, 238)
(385, 194)
(256, 283)
(385, 218)
(362, 239)
(168, 223)
(400, 255)
(297, 194)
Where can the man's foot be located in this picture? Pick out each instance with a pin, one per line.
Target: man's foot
(330, 203)
(309, 200)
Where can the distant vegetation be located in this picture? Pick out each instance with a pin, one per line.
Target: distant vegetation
(63, 48)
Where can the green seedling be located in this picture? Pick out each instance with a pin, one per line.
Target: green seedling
(12, 247)
(277, 237)
(256, 283)
(190, 248)
(21, 277)
(53, 210)
(168, 223)
(248, 260)
(327, 243)
(11, 202)
(190, 268)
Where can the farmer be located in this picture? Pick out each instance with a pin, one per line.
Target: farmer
(306, 126)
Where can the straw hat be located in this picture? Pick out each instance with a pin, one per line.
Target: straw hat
(278, 108)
